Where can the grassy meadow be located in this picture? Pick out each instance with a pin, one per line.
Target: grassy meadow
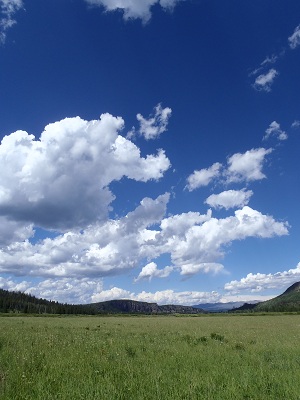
(150, 357)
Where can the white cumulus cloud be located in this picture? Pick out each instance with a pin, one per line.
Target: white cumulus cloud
(247, 166)
(61, 180)
(201, 240)
(203, 177)
(229, 199)
(106, 248)
(150, 271)
(65, 290)
(196, 243)
(133, 9)
(260, 282)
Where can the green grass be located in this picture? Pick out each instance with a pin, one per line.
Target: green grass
(215, 357)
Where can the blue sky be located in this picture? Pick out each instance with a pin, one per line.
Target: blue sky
(150, 149)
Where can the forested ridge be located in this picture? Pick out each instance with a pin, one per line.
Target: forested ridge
(18, 302)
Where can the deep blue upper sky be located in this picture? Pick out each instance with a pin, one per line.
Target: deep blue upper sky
(85, 215)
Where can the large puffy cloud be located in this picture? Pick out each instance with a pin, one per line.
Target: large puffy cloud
(65, 290)
(134, 8)
(294, 39)
(61, 180)
(202, 244)
(194, 242)
(247, 166)
(265, 81)
(74, 291)
(7, 10)
(203, 177)
(102, 249)
(229, 199)
(259, 282)
(12, 231)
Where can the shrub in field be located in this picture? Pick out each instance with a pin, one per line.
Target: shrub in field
(239, 346)
(218, 337)
(130, 351)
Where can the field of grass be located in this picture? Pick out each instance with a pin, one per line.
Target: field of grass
(99, 358)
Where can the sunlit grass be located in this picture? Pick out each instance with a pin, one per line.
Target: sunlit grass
(232, 357)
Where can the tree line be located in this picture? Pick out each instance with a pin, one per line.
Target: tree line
(19, 302)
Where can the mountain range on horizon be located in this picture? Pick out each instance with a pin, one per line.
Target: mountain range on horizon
(25, 303)
(222, 307)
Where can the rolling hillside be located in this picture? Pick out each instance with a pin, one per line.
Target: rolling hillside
(287, 301)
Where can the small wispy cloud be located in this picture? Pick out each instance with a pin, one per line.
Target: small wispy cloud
(264, 81)
(270, 60)
(7, 10)
(294, 39)
(275, 130)
(157, 123)
(296, 124)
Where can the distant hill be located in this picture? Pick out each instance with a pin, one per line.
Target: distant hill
(287, 301)
(140, 307)
(19, 302)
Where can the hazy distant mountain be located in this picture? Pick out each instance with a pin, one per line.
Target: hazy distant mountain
(222, 307)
